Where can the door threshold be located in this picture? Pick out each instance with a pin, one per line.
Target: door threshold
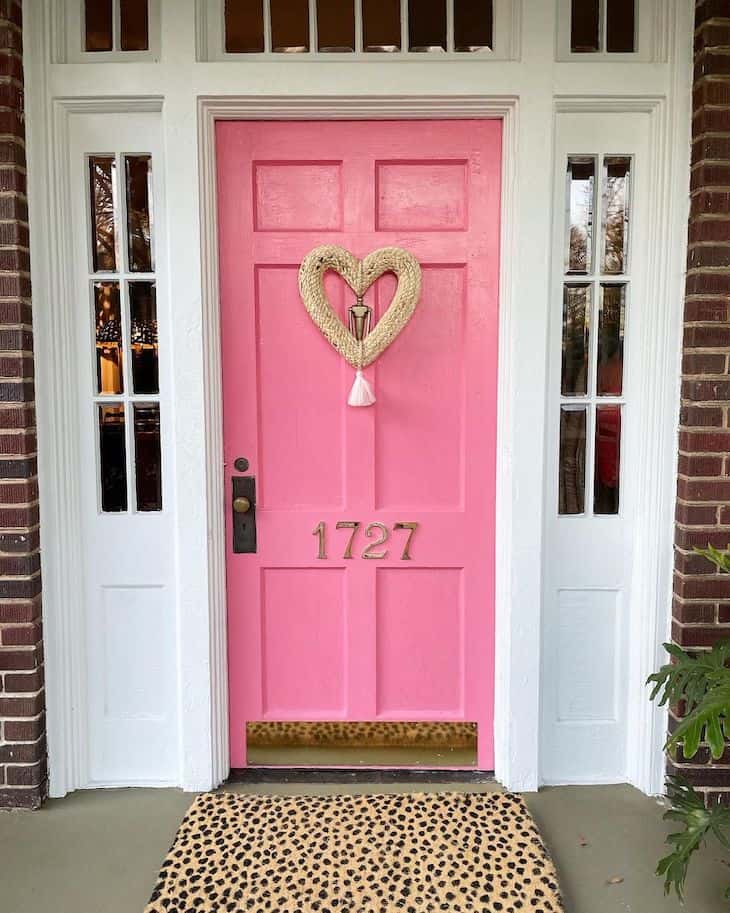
(357, 775)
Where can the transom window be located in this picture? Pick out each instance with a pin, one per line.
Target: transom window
(123, 311)
(602, 25)
(594, 302)
(367, 26)
(116, 25)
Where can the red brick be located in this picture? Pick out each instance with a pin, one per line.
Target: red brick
(21, 706)
(18, 659)
(694, 612)
(700, 466)
(25, 775)
(708, 282)
(25, 730)
(16, 683)
(704, 202)
(706, 337)
(700, 636)
(706, 310)
(23, 752)
(19, 612)
(21, 635)
(699, 255)
(689, 417)
(696, 442)
(707, 230)
(704, 489)
(694, 515)
(30, 799)
(715, 587)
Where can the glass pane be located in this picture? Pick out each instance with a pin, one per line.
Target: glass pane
(381, 25)
(108, 324)
(135, 25)
(113, 460)
(572, 469)
(611, 315)
(103, 187)
(147, 458)
(584, 26)
(608, 458)
(620, 26)
(427, 25)
(616, 174)
(580, 193)
(335, 25)
(143, 337)
(138, 169)
(289, 25)
(576, 320)
(98, 25)
(244, 26)
(473, 24)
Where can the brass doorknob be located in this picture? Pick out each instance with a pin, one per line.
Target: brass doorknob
(241, 505)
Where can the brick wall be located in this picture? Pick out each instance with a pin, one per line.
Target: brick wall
(22, 720)
(701, 608)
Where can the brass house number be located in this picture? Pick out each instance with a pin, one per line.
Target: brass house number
(379, 532)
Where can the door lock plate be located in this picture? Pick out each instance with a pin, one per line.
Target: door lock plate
(244, 521)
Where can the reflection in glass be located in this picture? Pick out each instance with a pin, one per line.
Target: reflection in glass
(289, 25)
(108, 324)
(608, 458)
(580, 196)
(335, 25)
(244, 26)
(113, 461)
(103, 195)
(147, 456)
(473, 24)
(616, 172)
(620, 26)
(381, 25)
(138, 172)
(134, 22)
(572, 468)
(576, 319)
(98, 19)
(427, 25)
(611, 316)
(143, 337)
(584, 26)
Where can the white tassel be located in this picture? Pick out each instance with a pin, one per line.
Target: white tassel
(361, 393)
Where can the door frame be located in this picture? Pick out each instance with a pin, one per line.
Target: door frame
(516, 695)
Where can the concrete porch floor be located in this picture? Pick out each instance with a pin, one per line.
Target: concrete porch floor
(99, 851)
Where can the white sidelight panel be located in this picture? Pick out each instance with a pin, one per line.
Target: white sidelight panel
(121, 351)
(596, 420)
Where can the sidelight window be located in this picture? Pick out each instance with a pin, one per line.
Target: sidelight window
(596, 291)
(123, 312)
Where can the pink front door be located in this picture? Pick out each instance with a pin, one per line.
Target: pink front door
(378, 635)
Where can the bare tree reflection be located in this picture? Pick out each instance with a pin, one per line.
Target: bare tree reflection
(102, 178)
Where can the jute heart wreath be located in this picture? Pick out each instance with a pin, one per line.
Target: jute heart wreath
(360, 275)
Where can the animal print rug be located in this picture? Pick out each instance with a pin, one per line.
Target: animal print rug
(415, 853)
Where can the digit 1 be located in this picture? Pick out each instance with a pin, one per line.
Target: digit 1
(319, 530)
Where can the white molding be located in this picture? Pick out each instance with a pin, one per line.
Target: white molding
(272, 108)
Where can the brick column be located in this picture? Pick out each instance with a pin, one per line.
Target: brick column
(22, 720)
(701, 607)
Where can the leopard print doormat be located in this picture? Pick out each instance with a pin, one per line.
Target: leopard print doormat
(400, 853)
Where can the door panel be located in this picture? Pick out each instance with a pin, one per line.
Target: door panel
(373, 634)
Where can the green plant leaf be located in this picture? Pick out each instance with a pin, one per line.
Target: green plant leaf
(707, 719)
(688, 808)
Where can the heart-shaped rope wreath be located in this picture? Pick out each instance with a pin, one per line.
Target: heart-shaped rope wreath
(360, 275)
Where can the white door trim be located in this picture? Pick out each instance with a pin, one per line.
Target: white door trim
(510, 690)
